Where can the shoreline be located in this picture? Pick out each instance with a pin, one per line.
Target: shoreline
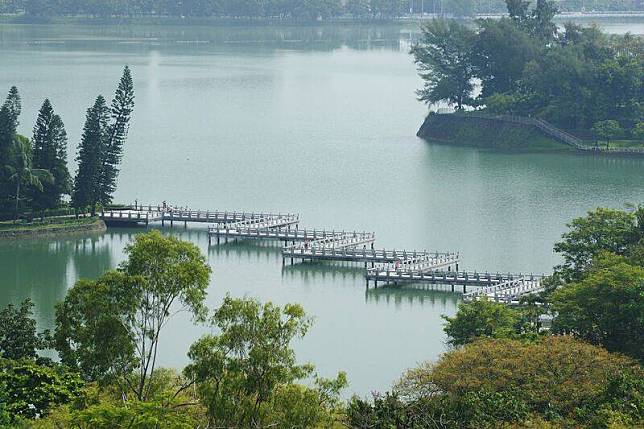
(52, 230)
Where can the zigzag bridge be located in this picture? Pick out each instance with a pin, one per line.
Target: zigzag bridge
(384, 266)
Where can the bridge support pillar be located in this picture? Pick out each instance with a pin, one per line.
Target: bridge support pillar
(452, 287)
(464, 288)
(457, 266)
(185, 224)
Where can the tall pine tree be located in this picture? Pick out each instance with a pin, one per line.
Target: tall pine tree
(9, 113)
(121, 112)
(87, 183)
(101, 147)
(50, 153)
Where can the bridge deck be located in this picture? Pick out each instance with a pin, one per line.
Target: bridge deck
(265, 222)
(149, 213)
(357, 254)
(510, 291)
(279, 234)
(380, 274)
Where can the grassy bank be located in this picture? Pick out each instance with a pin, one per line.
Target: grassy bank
(10, 230)
(469, 131)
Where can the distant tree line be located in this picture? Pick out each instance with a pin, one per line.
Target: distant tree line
(577, 77)
(33, 172)
(287, 9)
(298, 9)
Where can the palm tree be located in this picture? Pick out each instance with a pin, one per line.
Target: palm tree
(20, 169)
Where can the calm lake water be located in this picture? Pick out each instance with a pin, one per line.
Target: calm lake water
(319, 121)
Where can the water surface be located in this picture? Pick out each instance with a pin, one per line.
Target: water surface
(319, 121)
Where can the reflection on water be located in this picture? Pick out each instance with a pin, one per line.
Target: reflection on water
(42, 269)
(413, 294)
(205, 39)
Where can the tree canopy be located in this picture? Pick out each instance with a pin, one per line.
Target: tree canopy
(576, 78)
(109, 329)
(246, 374)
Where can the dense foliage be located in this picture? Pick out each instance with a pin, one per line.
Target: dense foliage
(18, 335)
(33, 172)
(246, 375)
(578, 78)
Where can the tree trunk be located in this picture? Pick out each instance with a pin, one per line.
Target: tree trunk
(15, 219)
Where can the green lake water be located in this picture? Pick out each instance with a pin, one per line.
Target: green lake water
(320, 121)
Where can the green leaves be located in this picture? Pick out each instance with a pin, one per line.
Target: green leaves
(18, 336)
(444, 62)
(482, 318)
(601, 230)
(246, 373)
(109, 329)
(49, 143)
(32, 389)
(93, 334)
(605, 307)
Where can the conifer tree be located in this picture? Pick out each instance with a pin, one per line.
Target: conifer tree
(50, 153)
(121, 111)
(9, 113)
(87, 182)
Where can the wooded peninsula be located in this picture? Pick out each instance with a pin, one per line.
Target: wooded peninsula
(580, 79)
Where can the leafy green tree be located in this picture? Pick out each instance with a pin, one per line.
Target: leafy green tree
(19, 338)
(501, 52)
(541, 24)
(605, 307)
(444, 60)
(21, 172)
(131, 415)
(111, 328)
(93, 335)
(245, 374)
(518, 10)
(50, 153)
(87, 192)
(512, 381)
(481, 318)
(601, 230)
(32, 389)
(608, 130)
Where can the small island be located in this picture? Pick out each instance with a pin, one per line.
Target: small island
(35, 181)
(524, 83)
